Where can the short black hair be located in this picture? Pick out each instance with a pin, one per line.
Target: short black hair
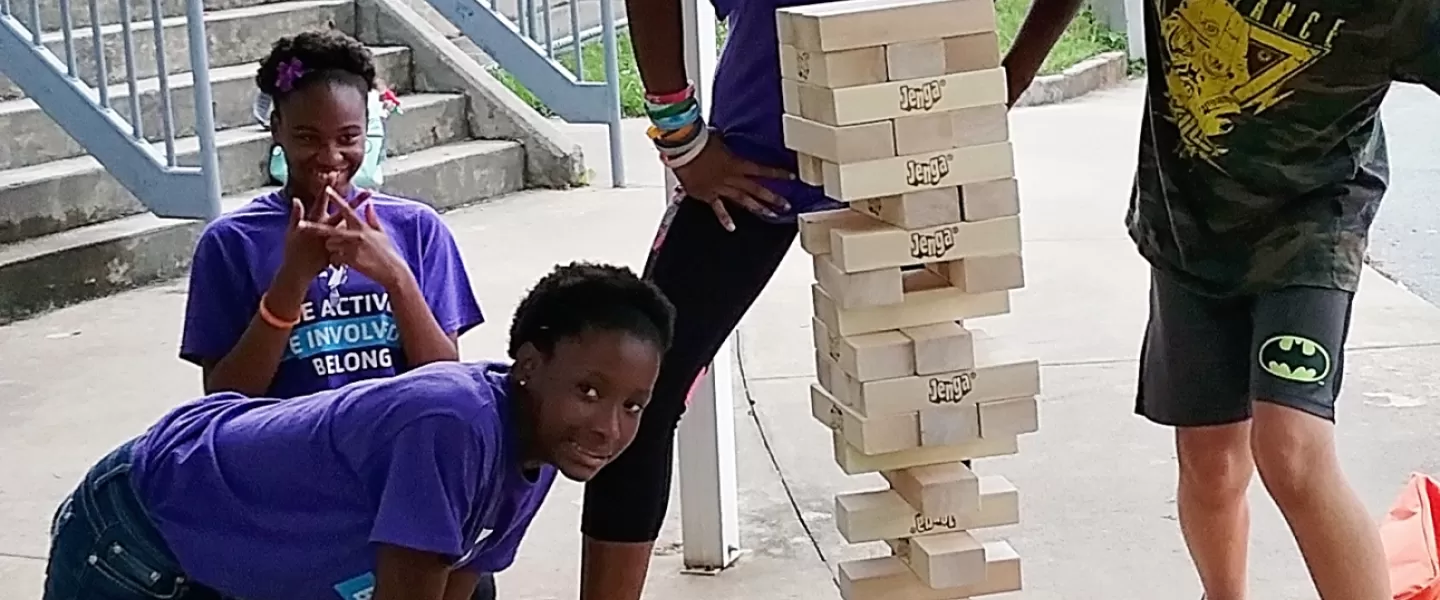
(324, 56)
(584, 296)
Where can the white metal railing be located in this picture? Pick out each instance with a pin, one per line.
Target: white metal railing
(73, 87)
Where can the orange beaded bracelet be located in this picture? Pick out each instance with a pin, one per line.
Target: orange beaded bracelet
(272, 320)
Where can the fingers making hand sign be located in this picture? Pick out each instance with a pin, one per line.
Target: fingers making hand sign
(360, 242)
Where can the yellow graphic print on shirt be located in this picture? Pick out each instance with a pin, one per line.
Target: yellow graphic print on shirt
(1223, 63)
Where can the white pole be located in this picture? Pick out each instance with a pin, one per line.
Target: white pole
(709, 507)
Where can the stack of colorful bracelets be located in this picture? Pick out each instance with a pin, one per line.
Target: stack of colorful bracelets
(678, 130)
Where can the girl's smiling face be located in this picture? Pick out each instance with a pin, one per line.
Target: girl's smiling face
(586, 398)
(321, 127)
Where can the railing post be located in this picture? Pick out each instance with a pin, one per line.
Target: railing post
(612, 90)
(709, 506)
(204, 105)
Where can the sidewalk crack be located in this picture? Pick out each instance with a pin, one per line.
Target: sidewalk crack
(765, 439)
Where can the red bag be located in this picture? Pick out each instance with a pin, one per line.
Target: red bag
(1410, 537)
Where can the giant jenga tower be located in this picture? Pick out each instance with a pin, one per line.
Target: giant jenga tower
(897, 108)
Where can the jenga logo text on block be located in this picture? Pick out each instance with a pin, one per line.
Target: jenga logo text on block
(924, 524)
(951, 390)
(934, 244)
(836, 417)
(802, 66)
(872, 207)
(929, 172)
(921, 97)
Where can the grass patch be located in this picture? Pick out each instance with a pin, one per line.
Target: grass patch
(1085, 38)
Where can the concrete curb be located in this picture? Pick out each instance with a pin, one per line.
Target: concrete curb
(552, 159)
(1106, 70)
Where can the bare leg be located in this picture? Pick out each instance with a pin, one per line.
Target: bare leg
(1215, 471)
(1295, 453)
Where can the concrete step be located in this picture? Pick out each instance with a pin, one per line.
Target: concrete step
(234, 36)
(76, 192)
(110, 10)
(32, 137)
(61, 269)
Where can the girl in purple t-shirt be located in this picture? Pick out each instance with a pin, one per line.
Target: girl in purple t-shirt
(321, 284)
(410, 487)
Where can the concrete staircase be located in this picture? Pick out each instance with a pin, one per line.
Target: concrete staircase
(69, 232)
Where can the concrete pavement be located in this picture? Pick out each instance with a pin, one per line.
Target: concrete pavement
(1405, 240)
(74, 382)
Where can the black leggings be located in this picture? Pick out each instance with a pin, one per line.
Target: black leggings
(712, 276)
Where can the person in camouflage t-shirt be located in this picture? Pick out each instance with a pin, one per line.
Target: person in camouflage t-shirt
(1262, 163)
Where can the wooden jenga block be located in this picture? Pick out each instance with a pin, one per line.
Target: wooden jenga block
(915, 210)
(986, 200)
(851, 143)
(941, 347)
(944, 560)
(977, 126)
(790, 96)
(837, 69)
(884, 101)
(887, 578)
(868, 356)
(850, 24)
(884, 514)
(950, 425)
(1009, 417)
(824, 369)
(915, 172)
(973, 52)
(976, 274)
(919, 308)
(859, 289)
(815, 227)
(915, 59)
(945, 488)
(854, 462)
(881, 435)
(809, 169)
(865, 246)
(983, 383)
(890, 433)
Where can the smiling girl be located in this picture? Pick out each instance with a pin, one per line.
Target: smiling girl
(278, 309)
(414, 487)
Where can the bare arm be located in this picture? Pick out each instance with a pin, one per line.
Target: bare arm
(1043, 26)
(405, 574)
(421, 336)
(250, 366)
(656, 32)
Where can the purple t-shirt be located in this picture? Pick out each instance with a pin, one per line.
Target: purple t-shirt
(747, 105)
(347, 333)
(270, 499)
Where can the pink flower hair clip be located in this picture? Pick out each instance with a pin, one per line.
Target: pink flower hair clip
(290, 72)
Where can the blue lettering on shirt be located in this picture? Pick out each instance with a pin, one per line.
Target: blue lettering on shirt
(358, 588)
(324, 337)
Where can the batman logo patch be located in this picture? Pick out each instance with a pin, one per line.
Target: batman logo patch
(1295, 358)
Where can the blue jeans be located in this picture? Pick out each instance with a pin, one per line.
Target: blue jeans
(104, 547)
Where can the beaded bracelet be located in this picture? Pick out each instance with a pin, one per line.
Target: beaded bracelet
(672, 144)
(673, 97)
(675, 161)
(270, 318)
